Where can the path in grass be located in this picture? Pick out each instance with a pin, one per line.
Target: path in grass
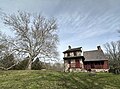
(25, 79)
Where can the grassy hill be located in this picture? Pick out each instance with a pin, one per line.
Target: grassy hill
(25, 79)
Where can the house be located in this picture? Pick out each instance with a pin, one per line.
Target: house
(73, 59)
(77, 60)
(96, 60)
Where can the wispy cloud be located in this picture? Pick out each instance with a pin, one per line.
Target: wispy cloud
(82, 22)
(86, 26)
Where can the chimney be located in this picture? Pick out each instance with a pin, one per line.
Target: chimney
(82, 51)
(99, 48)
(69, 47)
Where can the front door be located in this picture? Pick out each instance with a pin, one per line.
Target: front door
(69, 63)
(77, 62)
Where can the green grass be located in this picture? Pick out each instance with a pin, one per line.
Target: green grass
(25, 79)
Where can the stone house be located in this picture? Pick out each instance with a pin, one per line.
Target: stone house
(77, 60)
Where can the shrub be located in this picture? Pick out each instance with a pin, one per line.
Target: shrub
(115, 70)
(37, 65)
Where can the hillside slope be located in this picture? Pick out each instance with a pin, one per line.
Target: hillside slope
(25, 79)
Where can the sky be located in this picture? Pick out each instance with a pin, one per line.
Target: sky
(81, 23)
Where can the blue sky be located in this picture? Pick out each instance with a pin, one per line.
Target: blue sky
(81, 23)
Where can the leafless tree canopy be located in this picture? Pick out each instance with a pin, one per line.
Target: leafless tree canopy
(113, 51)
(34, 35)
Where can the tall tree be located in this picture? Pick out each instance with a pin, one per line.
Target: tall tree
(34, 35)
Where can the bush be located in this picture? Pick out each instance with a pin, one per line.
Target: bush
(36, 65)
(7, 61)
(22, 65)
(115, 70)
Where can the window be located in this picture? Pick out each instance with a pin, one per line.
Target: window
(65, 55)
(78, 53)
(71, 54)
(68, 54)
(102, 62)
(69, 62)
(75, 54)
(92, 66)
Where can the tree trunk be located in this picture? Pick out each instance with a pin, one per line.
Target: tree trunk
(29, 67)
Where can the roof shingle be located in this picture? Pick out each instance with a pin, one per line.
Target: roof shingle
(73, 49)
(94, 55)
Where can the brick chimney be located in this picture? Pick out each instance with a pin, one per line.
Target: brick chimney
(69, 47)
(99, 48)
(82, 51)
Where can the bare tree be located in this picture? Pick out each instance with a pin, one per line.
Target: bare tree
(34, 35)
(113, 52)
(6, 53)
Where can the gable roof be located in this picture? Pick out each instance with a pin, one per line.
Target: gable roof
(94, 55)
(73, 49)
